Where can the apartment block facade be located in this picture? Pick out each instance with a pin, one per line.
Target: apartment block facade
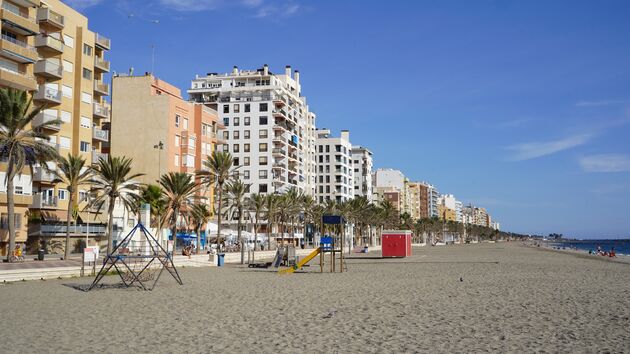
(362, 160)
(47, 49)
(335, 174)
(159, 130)
(269, 129)
(449, 202)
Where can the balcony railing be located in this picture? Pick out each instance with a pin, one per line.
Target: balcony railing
(17, 42)
(96, 156)
(103, 42)
(49, 69)
(42, 118)
(100, 134)
(41, 175)
(48, 42)
(51, 17)
(48, 94)
(43, 202)
(101, 110)
(101, 87)
(102, 64)
(74, 229)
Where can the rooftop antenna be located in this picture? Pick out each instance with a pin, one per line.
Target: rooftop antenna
(153, 21)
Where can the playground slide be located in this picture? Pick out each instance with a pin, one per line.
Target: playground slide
(301, 263)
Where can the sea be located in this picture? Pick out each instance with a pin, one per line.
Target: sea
(622, 247)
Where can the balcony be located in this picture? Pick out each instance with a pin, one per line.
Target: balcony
(101, 64)
(102, 42)
(60, 229)
(48, 95)
(280, 113)
(279, 165)
(17, 80)
(101, 110)
(278, 102)
(17, 50)
(277, 152)
(101, 88)
(49, 69)
(44, 202)
(40, 175)
(27, 3)
(100, 134)
(50, 17)
(96, 156)
(280, 140)
(43, 118)
(49, 44)
(18, 21)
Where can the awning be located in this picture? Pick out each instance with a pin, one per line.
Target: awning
(54, 215)
(92, 218)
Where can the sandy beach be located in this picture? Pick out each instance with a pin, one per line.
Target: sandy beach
(511, 298)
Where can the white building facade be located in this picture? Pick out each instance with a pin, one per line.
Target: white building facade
(449, 201)
(362, 161)
(269, 129)
(335, 176)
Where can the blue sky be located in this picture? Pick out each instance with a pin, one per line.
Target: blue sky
(519, 106)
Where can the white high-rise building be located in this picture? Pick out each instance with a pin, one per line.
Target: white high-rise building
(449, 201)
(362, 163)
(389, 178)
(269, 128)
(335, 177)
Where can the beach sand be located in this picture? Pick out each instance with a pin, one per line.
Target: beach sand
(512, 298)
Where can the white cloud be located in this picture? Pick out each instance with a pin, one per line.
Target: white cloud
(528, 151)
(283, 10)
(605, 163)
(82, 4)
(190, 5)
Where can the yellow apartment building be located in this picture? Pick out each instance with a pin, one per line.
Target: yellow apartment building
(47, 49)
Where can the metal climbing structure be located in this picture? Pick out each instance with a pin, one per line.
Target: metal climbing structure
(138, 262)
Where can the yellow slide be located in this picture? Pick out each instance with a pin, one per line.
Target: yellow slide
(301, 263)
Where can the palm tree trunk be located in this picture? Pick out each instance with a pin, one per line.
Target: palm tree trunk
(174, 229)
(198, 238)
(240, 220)
(269, 233)
(110, 226)
(255, 237)
(66, 253)
(219, 219)
(11, 212)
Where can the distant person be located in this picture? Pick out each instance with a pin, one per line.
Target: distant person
(612, 253)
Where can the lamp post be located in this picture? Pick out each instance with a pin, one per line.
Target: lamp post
(159, 147)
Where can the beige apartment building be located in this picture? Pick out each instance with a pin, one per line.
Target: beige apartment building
(47, 49)
(159, 130)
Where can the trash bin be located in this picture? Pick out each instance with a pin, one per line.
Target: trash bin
(40, 255)
(221, 259)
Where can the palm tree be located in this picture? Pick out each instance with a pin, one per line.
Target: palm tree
(200, 215)
(20, 145)
(113, 181)
(178, 187)
(307, 205)
(73, 173)
(271, 208)
(256, 203)
(217, 171)
(236, 196)
(153, 195)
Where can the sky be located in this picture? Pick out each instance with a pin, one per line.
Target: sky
(522, 107)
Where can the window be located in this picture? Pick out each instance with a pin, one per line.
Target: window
(262, 160)
(237, 108)
(247, 121)
(62, 194)
(66, 91)
(177, 140)
(237, 121)
(85, 146)
(65, 116)
(185, 123)
(86, 98)
(327, 148)
(226, 121)
(226, 147)
(236, 161)
(176, 160)
(262, 120)
(131, 222)
(246, 134)
(68, 41)
(321, 148)
(87, 74)
(246, 161)
(87, 50)
(262, 188)
(236, 148)
(68, 66)
(64, 142)
(262, 107)
(226, 135)
(205, 129)
(246, 174)
(177, 120)
(236, 134)
(262, 174)
(247, 107)
(86, 122)
(262, 147)
(262, 133)
(4, 218)
(226, 108)
(246, 147)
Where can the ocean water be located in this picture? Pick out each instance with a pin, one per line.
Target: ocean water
(622, 247)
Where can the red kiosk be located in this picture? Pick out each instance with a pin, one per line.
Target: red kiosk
(396, 243)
